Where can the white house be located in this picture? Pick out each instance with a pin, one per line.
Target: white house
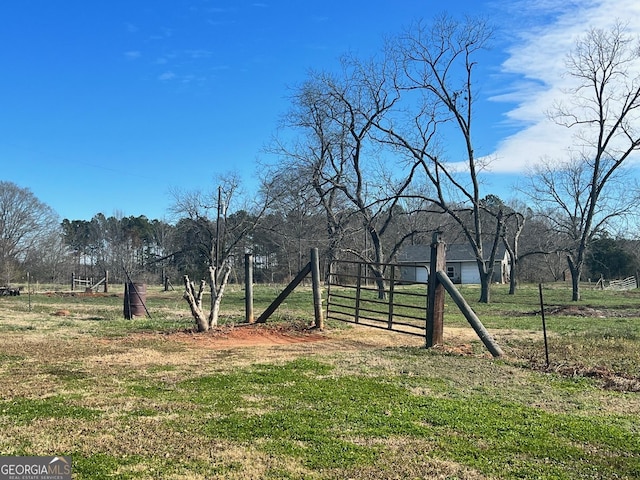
(461, 263)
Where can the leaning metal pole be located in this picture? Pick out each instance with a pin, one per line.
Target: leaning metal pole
(470, 315)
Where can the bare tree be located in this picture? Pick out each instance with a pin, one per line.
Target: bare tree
(24, 220)
(227, 228)
(314, 146)
(562, 194)
(602, 111)
(338, 153)
(512, 222)
(438, 63)
(48, 259)
(295, 217)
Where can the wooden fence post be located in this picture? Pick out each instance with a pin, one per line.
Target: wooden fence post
(317, 289)
(435, 305)
(248, 287)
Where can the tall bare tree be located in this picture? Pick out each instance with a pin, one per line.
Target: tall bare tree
(602, 110)
(438, 63)
(336, 115)
(305, 157)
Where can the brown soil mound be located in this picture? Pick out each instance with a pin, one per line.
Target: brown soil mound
(608, 378)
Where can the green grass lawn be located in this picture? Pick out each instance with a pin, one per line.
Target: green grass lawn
(145, 398)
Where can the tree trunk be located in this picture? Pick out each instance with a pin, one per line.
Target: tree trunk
(377, 269)
(486, 275)
(485, 288)
(217, 292)
(204, 323)
(194, 299)
(513, 263)
(513, 282)
(333, 251)
(575, 268)
(379, 278)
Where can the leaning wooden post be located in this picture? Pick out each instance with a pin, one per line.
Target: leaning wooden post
(317, 289)
(435, 293)
(248, 287)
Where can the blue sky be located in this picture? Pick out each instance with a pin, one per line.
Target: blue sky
(109, 106)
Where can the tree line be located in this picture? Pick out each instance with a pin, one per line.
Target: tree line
(152, 250)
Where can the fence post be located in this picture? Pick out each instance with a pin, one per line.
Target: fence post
(435, 305)
(391, 286)
(106, 281)
(248, 287)
(317, 289)
(73, 281)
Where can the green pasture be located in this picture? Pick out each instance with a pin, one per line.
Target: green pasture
(148, 398)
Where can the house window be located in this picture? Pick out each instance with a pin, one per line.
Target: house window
(451, 272)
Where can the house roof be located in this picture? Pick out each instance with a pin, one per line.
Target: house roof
(456, 252)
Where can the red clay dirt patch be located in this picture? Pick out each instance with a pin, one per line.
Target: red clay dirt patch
(246, 335)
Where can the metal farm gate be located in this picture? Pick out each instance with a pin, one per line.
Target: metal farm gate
(353, 296)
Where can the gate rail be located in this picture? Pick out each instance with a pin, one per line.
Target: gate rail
(380, 307)
(353, 296)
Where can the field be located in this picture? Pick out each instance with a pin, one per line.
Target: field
(148, 398)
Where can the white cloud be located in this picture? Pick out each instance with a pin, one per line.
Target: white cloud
(133, 54)
(548, 31)
(166, 76)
